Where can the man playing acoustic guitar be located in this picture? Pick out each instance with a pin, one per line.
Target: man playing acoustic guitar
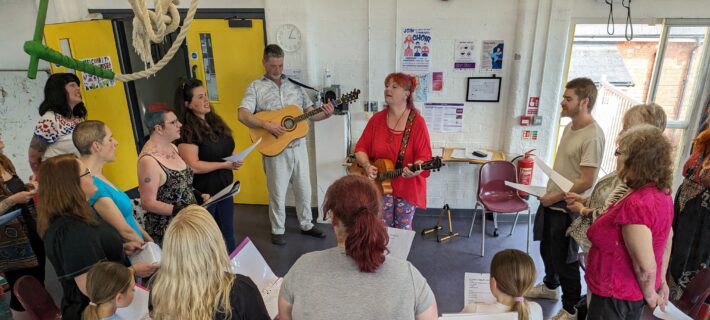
(398, 133)
(271, 92)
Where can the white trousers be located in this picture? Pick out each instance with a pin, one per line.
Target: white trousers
(290, 166)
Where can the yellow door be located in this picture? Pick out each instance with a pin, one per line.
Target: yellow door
(105, 100)
(227, 60)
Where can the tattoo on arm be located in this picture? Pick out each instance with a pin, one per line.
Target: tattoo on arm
(146, 180)
(39, 144)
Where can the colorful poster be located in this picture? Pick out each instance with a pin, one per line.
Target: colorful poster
(443, 117)
(437, 81)
(463, 55)
(416, 43)
(91, 81)
(492, 55)
(421, 94)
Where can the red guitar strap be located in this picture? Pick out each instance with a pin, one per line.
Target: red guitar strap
(405, 139)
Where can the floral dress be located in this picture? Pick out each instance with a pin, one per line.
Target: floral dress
(177, 191)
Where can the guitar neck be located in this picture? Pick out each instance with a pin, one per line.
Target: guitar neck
(316, 111)
(396, 173)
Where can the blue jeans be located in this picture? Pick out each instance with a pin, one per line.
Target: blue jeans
(223, 214)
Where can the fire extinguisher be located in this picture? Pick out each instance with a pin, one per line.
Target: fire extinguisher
(525, 170)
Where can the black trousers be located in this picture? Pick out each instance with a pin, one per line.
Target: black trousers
(603, 308)
(555, 250)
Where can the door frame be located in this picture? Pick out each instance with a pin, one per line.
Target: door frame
(118, 15)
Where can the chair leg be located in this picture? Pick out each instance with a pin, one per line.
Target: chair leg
(495, 224)
(515, 222)
(475, 211)
(483, 233)
(529, 227)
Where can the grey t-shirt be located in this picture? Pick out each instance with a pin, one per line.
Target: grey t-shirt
(579, 148)
(328, 285)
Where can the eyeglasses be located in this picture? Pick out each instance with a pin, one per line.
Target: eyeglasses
(86, 173)
(617, 152)
(174, 122)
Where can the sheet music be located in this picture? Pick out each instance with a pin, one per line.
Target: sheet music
(557, 178)
(138, 309)
(400, 242)
(228, 191)
(537, 191)
(672, 313)
(477, 288)
(247, 260)
(240, 156)
(150, 254)
(7, 217)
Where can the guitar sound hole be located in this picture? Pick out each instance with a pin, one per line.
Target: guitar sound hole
(288, 124)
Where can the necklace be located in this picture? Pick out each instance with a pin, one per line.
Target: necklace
(390, 135)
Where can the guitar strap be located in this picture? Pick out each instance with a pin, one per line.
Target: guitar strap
(405, 139)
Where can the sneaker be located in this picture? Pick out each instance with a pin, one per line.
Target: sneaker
(314, 232)
(564, 315)
(541, 291)
(278, 239)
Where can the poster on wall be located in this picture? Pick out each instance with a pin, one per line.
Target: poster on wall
(492, 55)
(91, 81)
(533, 106)
(416, 43)
(463, 55)
(421, 93)
(443, 117)
(437, 81)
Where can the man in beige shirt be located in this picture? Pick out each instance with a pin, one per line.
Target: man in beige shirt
(578, 158)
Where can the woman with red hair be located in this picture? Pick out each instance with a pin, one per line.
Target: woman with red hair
(398, 133)
(374, 286)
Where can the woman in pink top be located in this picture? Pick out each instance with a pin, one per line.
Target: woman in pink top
(631, 241)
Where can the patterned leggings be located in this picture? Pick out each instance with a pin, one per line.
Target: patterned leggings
(397, 212)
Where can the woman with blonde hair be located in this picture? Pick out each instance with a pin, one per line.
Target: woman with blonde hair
(512, 275)
(109, 286)
(194, 282)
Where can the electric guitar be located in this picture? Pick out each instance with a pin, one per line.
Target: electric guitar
(387, 172)
(292, 118)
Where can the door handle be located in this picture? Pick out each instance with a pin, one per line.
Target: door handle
(194, 71)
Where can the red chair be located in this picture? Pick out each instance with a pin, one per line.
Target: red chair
(695, 294)
(496, 197)
(35, 299)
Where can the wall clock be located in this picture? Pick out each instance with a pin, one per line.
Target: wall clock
(289, 37)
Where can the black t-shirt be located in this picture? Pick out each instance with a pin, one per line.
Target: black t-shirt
(246, 301)
(73, 247)
(212, 151)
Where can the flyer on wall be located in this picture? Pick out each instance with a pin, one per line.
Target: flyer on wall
(492, 55)
(463, 55)
(416, 43)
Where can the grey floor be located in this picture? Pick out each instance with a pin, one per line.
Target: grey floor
(443, 264)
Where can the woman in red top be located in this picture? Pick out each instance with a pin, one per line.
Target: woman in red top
(382, 139)
(631, 241)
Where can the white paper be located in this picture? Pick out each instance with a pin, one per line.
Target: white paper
(537, 191)
(400, 242)
(480, 316)
(138, 309)
(458, 154)
(477, 288)
(228, 191)
(247, 260)
(7, 217)
(557, 178)
(672, 313)
(443, 117)
(240, 156)
(437, 152)
(150, 254)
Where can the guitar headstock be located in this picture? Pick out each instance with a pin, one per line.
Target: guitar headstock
(349, 97)
(434, 164)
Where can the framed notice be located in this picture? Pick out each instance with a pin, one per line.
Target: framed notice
(483, 89)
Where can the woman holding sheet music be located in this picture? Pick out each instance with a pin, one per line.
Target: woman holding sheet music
(398, 133)
(355, 280)
(18, 237)
(204, 142)
(193, 246)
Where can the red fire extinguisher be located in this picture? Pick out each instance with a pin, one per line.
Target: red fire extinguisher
(525, 170)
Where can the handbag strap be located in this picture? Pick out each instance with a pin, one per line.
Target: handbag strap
(405, 139)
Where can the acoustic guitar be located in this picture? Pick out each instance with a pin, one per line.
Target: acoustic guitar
(292, 118)
(387, 172)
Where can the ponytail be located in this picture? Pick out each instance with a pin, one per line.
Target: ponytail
(367, 241)
(91, 312)
(104, 281)
(521, 307)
